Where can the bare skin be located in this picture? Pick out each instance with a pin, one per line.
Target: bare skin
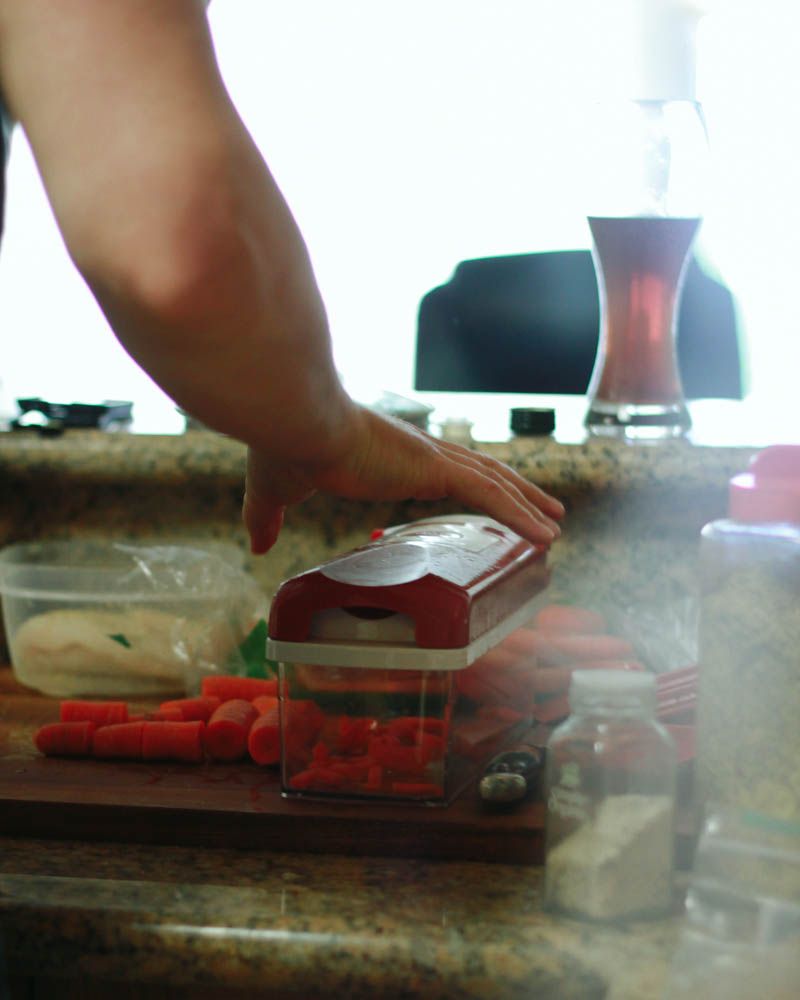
(177, 226)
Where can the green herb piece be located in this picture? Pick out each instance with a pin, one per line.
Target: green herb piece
(252, 652)
(121, 639)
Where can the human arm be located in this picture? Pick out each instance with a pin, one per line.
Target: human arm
(178, 228)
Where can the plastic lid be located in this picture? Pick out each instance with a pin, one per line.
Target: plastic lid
(770, 489)
(613, 691)
(532, 420)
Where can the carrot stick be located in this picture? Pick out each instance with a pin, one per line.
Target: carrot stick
(101, 713)
(554, 649)
(123, 739)
(228, 729)
(264, 738)
(264, 703)
(190, 709)
(228, 687)
(164, 715)
(553, 709)
(569, 619)
(66, 739)
(173, 741)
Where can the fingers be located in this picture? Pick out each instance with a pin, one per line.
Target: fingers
(497, 499)
(529, 501)
(263, 521)
(529, 491)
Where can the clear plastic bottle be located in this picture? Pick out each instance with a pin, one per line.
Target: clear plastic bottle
(748, 703)
(610, 779)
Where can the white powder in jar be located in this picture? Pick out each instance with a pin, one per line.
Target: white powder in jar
(617, 865)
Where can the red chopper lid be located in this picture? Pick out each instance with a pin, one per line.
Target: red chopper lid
(770, 489)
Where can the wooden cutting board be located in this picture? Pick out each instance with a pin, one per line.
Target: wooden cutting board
(238, 805)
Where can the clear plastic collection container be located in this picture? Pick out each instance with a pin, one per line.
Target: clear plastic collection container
(610, 786)
(401, 670)
(748, 705)
(741, 934)
(87, 618)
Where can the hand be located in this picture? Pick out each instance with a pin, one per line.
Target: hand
(380, 458)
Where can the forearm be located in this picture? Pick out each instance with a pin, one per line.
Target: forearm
(171, 215)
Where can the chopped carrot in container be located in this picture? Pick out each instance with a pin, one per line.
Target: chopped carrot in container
(228, 687)
(396, 756)
(407, 728)
(123, 740)
(302, 723)
(173, 741)
(191, 709)
(228, 729)
(101, 713)
(66, 739)
(264, 738)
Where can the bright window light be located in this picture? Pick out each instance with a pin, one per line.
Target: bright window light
(409, 137)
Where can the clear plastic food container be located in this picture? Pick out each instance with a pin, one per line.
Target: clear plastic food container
(403, 668)
(87, 618)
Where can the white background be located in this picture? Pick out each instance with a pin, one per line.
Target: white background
(407, 137)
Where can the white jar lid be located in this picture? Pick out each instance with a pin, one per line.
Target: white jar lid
(613, 690)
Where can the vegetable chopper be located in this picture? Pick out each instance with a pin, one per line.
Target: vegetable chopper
(399, 672)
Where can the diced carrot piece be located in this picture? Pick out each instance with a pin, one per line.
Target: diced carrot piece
(264, 738)
(191, 709)
(569, 619)
(228, 687)
(318, 778)
(396, 756)
(228, 729)
(302, 722)
(66, 739)
(265, 703)
(351, 733)
(101, 713)
(123, 740)
(173, 741)
(302, 780)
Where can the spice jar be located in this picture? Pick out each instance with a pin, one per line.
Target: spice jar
(610, 786)
(748, 701)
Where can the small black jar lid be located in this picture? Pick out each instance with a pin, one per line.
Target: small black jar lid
(533, 420)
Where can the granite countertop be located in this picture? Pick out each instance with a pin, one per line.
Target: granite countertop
(315, 925)
(311, 925)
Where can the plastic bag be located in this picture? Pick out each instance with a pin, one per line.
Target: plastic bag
(93, 619)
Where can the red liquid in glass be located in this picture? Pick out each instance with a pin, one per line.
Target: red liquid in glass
(640, 265)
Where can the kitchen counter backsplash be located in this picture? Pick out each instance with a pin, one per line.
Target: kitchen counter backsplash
(629, 544)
